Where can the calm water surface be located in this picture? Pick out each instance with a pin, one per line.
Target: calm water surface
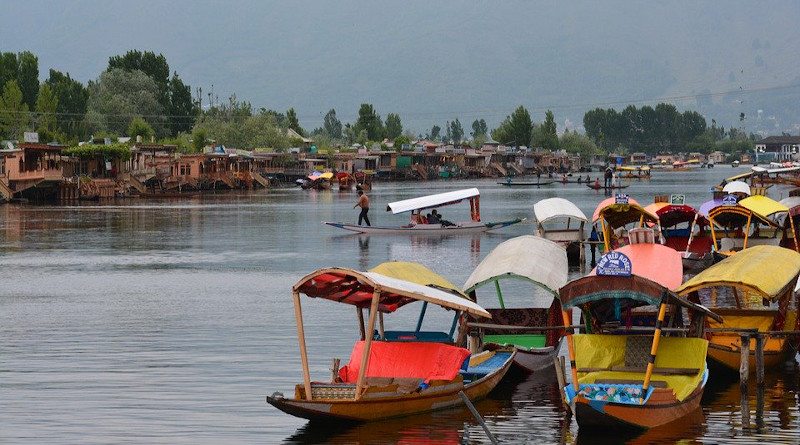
(169, 321)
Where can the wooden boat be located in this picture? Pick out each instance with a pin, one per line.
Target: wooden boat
(596, 186)
(532, 329)
(345, 181)
(790, 221)
(637, 172)
(561, 221)
(737, 224)
(617, 212)
(632, 368)
(388, 377)
(752, 289)
(509, 183)
(678, 228)
(419, 224)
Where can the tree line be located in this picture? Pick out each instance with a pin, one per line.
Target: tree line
(138, 95)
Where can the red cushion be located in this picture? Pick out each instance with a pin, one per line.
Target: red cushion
(420, 360)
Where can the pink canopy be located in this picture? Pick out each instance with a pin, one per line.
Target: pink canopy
(655, 262)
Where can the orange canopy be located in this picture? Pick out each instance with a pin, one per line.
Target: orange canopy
(620, 214)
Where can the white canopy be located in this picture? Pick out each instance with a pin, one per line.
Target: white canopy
(758, 169)
(431, 201)
(737, 187)
(791, 202)
(526, 257)
(557, 208)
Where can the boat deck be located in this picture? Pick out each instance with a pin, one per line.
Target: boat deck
(485, 367)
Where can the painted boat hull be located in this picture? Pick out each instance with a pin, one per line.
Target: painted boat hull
(662, 408)
(526, 184)
(532, 362)
(729, 359)
(383, 406)
(424, 229)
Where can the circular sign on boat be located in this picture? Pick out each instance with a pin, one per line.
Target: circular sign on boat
(729, 200)
(621, 198)
(615, 264)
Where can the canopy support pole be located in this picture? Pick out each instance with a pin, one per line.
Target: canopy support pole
(499, 294)
(691, 233)
(656, 337)
(605, 233)
(455, 324)
(373, 310)
(301, 336)
(794, 234)
(421, 315)
(713, 232)
(571, 348)
(361, 323)
(747, 230)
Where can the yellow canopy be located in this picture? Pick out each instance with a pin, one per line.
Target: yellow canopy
(416, 273)
(326, 175)
(761, 205)
(768, 270)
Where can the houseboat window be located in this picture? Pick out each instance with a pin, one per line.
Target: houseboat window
(186, 169)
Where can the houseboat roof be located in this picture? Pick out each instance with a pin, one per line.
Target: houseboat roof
(551, 208)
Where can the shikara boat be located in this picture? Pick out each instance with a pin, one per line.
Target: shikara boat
(752, 289)
(618, 212)
(388, 377)
(509, 183)
(561, 221)
(790, 226)
(641, 362)
(530, 323)
(739, 224)
(683, 229)
(634, 172)
(609, 187)
(345, 181)
(419, 224)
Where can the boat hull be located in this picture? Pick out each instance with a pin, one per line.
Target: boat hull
(661, 408)
(526, 184)
(729, 359)
(532, 362)
(425, 229)
(378, 406)
(601, 187)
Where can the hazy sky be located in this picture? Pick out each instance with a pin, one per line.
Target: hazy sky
(435, 61)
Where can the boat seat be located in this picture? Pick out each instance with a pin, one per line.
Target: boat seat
(422, 360)
(485, 367)
(410, 336)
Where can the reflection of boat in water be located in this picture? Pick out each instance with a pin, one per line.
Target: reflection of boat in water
(420, 225)
(539, 262)
(392, 373)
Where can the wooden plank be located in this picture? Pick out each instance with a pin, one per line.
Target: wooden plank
(759, 360)
(744, 362)
(523, 328)
(661, 371)
(373, 310)
(301, 335)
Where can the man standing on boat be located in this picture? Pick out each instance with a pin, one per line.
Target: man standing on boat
(608, 176)
(363, 202)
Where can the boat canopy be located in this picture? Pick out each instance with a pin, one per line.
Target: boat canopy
(763, 206)
(620, 214)
(553, 208)
(671, 214)
(608, 295)
(707, 206)
(633, 168)
(737, 187)
(767, 270)
(431, 201)
(416, 273)
(736, 177)
(526, 257)
(793, 204)
(735, 216)
(356, 288)
(656, 262)
(759, 170)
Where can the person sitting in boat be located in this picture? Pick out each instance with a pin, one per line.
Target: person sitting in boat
(597, 183)
(440, 220)
(433, 218)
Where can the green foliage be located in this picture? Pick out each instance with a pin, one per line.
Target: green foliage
(547, 136)
(182, 109)
(139, 127)
(573, 142)
(479, 128)
(46, 107)
(294, 124)
(14, 115)
(401, 140)
(435, 130)
(516, 129)
(181, 140)
(118, 96)
(153, 66)
(331, 125)
(647, 129)
(28, 77)
(456, 131)
(89, 151)
(199, 136)
(243, 132)
(370, 121)
(9, 68)
(394, 127)
(72, 98)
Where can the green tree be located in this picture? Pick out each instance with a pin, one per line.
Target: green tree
(139, 127)
(152, 65)
(14, 115)
(401, 140)
(118, 96)
(28, 77)
(479, 128)
(573, 142)
(516, 129)
(370, 121)
(435, 130)
(456, 131)
(46, 108)
(331, 125)
(549, 136)
(199, 136)
(9, 67)
(394, 127)
(294, 124)
(182, 109)
(72, 98)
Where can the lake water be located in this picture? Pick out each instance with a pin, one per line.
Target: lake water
(169, 321)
